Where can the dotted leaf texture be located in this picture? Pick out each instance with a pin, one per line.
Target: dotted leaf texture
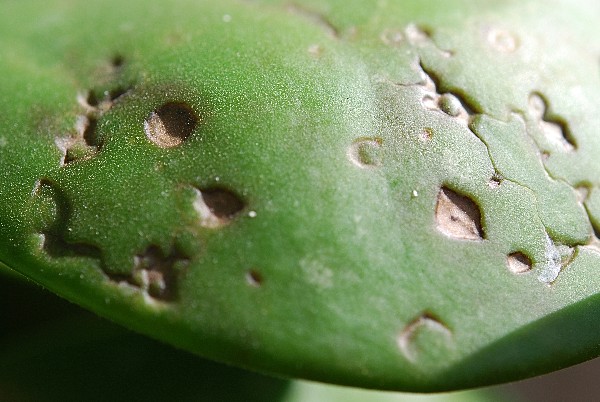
(395, 195)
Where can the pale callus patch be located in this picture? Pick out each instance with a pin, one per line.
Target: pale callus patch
(317, 273)
(315, 50)
(556, 256)
(392, 37)
(416, 34)
(458, 216)
(502, 40)
(413, 35)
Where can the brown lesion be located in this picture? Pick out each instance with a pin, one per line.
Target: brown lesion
(458, 216)
(217, 206)
(171, 124)
(156, 272)
(518, 262)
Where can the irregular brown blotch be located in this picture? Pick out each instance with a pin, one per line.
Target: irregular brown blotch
(171, 124)
(458, 216)
(518, 263)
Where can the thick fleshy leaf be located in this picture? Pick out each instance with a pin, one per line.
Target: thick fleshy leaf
(397, 195)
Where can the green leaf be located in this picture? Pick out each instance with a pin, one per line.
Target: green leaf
(395, 195)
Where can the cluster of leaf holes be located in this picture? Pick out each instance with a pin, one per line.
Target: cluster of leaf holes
(457, 215)
(84, 142)
(154, 270)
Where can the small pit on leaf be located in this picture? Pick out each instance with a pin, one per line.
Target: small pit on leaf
(217, 206)
(518, 263)
(458, 216)
(495, 180)
(426, 134)
(254, 278)
(171, 124)
(222, 203)
(117, 61)
(365, 152)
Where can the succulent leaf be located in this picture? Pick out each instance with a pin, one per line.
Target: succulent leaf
(396, 195)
